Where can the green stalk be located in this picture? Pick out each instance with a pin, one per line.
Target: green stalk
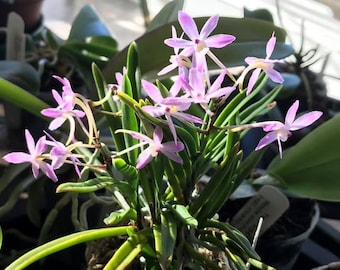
(65, 242)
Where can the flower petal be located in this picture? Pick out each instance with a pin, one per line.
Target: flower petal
(155, 111)
(219, 41)
(253, 79)
(30, 142)
(56, 123)
(172, 147)
(17, 157)
(270, 46)
(188, 25)
(47, 169)
(209, 26)
(266, 140)
(249, 60)
(274, 75)
(188, 117)
(152, 91)
(52, 112)
(291, 113)
(305, 120)
(178, 43)
(158, 135)
(144, 158)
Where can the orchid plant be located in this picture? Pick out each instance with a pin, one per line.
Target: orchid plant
(164, 137)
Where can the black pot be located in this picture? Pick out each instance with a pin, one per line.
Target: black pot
(281, 244)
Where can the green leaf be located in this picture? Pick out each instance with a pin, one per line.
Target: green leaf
(311, 167)
(129, 121)
(251, 38)
(220, 184)
(183, 214)
(120, 215)
(133, 71)
(169, 13)
(21, 74)
(245, 168)
(113, 122)
(64, 242)
(91, 50)
(85, 187)
(165, 236)
(87, 24)
(260, 107)
(129, 172)
(233, 234)
(21, 98)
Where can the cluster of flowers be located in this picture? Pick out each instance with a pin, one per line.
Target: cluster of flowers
(192, 85)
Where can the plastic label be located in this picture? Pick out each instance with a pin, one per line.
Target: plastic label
(269, 203)
(15, 40)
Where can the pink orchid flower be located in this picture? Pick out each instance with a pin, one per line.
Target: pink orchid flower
(34, 157)
(266, 64)
(178, 60)
(65, 108)
(282, 131)
(196, 88)
(169, 107)
(60, 154)
(199, 42)
(169, 149)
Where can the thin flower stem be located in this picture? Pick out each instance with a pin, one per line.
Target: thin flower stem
(100, 102)
(220, 65)
(92, 129)
(123, 152)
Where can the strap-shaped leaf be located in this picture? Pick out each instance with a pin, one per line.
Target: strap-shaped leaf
(94, 49)
(165, 235)
(220, 183)
(133, 71)
(129, 121)
(233, 234)
(120, 215)
(182, 213)
(91, 185)
(113, 122)
(21, 98)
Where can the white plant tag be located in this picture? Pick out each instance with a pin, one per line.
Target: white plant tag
(269, 203)
(15, 40)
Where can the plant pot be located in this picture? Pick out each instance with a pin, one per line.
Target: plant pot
(281, 244)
